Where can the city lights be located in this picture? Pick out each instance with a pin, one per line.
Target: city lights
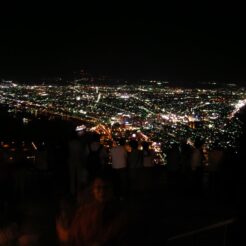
(159, 112)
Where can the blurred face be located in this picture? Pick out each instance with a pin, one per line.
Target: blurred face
(101, 190)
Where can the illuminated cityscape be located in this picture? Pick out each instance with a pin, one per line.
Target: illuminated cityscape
(152, 111)
(122, 126)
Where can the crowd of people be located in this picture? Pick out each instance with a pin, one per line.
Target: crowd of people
(92, 192)
(131, 163)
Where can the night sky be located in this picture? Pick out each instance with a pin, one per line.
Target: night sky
(169, 45)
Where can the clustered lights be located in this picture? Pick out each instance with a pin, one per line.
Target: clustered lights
(155, 109)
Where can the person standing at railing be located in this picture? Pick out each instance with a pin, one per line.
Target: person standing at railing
(174, 165)
(76, 162)
(96, 157)
(135, 166)
(148, 167)
(215, 159)
(197, 166)
(119, 169)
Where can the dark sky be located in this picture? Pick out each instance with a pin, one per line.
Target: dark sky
(173, 45)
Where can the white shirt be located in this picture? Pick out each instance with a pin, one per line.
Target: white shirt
(119, 157)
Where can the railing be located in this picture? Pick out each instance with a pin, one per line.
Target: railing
(194, 235)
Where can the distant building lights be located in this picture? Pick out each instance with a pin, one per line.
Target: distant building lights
(82, 111)
(80, 128)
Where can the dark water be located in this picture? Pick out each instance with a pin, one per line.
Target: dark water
(41, 128)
